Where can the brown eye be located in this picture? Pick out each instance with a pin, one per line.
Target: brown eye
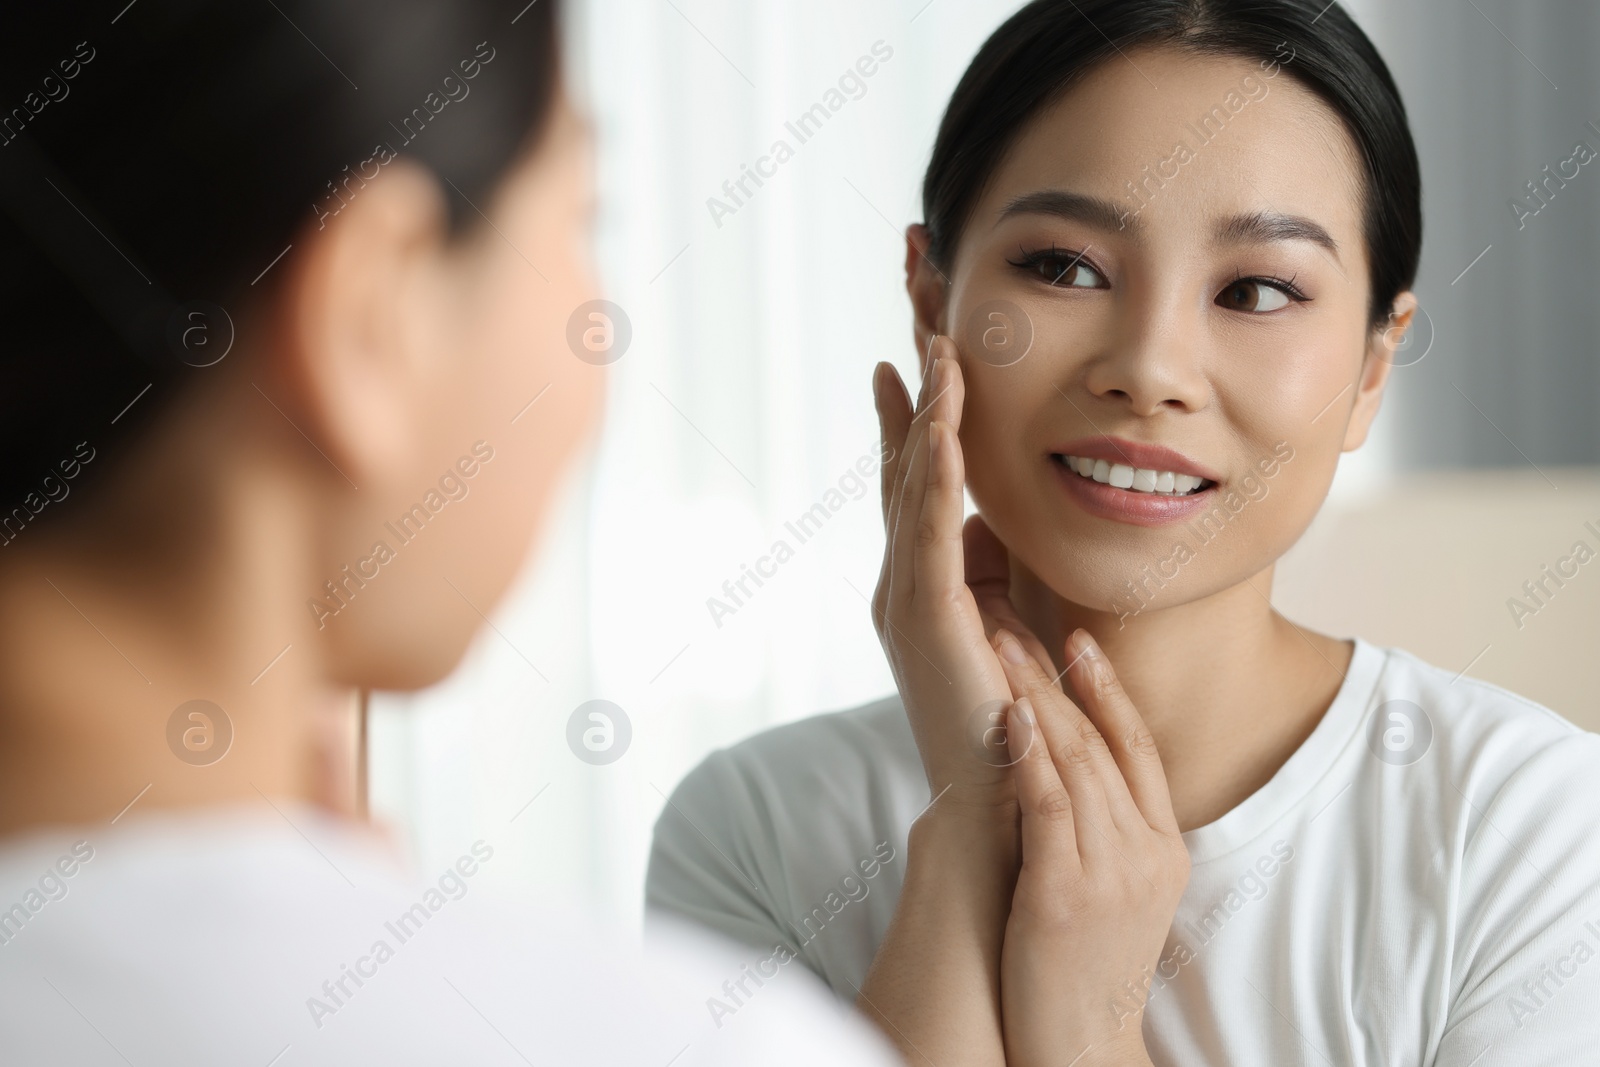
(1069, 272)
(1250, 295)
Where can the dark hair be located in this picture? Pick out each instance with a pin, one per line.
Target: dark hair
(1050, 45)
(157, 158)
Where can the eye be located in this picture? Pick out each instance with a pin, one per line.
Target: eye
(1258, 295)
(1061, 268)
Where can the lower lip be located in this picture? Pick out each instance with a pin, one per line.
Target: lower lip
(1125, 505)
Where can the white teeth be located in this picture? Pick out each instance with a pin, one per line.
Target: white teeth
(1139, 479)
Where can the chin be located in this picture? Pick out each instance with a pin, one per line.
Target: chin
(1120, 571)
(418, 669)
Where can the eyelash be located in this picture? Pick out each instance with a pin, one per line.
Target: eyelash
(1029, 262)
(1284, 285)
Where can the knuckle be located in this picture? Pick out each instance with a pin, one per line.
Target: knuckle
(1078, 755)
(927, 534)
(1090, 740)
(1104, 680)
(1054, 805)
(1140, 742)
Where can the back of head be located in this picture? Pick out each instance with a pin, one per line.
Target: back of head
(157, 157)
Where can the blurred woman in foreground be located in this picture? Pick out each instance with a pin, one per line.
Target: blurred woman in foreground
(282, 282)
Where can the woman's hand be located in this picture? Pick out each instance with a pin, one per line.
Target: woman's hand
(1103, 866)
(934, 985)
(941, 592)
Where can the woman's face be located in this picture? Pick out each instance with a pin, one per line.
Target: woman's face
(1165, 281)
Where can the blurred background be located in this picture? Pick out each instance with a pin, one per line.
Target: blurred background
(744, 398)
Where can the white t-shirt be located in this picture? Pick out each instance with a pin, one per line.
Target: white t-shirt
(1419, 884)
(243, 936)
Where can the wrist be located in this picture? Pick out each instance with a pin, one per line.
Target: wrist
(988, 800)
(967, 840)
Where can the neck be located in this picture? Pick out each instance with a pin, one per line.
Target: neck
(108, 625)
(1228, 687)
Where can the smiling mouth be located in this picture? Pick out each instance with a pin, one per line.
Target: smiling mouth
(1134, 479)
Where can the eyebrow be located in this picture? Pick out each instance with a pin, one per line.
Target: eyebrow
(1257, 227)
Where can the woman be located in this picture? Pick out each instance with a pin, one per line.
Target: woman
(1168, 250)
(285, 285)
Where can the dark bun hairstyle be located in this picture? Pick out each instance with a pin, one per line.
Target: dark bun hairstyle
(157, 157)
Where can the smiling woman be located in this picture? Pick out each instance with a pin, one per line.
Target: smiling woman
(1232, 324)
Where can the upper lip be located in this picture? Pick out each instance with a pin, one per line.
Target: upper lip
(1135, 454)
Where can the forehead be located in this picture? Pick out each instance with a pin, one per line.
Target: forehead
(1186, 140)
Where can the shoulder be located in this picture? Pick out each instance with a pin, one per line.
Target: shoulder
(796, 828)
(1486, 736)
(826, 767)
(1519, 803)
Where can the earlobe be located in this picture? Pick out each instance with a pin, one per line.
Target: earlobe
(1377, 364)
(354, 310)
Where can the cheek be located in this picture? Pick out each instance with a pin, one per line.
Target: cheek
(993, 418)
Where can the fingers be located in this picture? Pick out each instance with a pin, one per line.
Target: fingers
(1081, 757)
(947, 396)
(908, 536)
(894, 421)
(937, 562)
(1126, 735)
(1049, 833)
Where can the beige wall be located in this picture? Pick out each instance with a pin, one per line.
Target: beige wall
(1430, 565)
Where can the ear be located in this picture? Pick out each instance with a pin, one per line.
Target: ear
(357, 312)
(1375, 368)
(926, 286)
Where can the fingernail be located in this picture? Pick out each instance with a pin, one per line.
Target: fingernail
(936, 439)
(1011, 649)
(1024, 711)
(1086, 644)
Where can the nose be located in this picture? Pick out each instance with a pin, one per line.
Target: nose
(1153, 358)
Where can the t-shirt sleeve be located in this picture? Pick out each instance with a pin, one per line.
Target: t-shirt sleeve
(713, 861)
(1526, 974)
